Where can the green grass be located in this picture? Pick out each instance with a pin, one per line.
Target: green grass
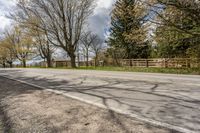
(191, 71)
(194, 71)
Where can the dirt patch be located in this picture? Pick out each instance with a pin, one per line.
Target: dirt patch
(28, 109)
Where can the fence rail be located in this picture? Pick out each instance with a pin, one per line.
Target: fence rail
(163, 62)
(160, 63)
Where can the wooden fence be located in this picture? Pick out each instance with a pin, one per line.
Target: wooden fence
(163, 63)
(160, 63)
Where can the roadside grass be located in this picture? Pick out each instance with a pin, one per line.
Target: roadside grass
(191, 71)
(195, 71)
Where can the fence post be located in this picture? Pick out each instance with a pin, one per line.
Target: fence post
(147, 63)
(186, 63)
(164, 63)
(130, 61)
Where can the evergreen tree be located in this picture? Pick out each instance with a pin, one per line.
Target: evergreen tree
(178, 34)
(127, 31)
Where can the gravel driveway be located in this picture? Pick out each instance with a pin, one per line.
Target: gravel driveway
(28, 109)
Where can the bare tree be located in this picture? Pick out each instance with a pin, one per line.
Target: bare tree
(87, 40)
(62, 19)
(44, 48)
(97, 47)
(22, 44)
(3, 56)
(7, 51)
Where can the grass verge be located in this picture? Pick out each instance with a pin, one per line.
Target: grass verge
(191, 71)
(195, 71)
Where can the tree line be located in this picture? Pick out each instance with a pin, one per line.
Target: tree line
(42, 26)
(155, 29)
(139, 29)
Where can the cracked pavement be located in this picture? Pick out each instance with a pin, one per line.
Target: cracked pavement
(169, 100)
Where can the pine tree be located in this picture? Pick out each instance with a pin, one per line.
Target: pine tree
(126, 27)
(179, 31)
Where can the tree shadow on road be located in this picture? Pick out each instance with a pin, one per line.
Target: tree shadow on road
(14, 94)
(171, 107)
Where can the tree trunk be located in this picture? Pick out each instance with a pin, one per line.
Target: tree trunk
(147, 63)
(87, 59)
(129, 57)
(78, 58)
(49, 62)
(130, 62)
(95, 62)
(24, 63)
(11, 65)
(73, 60)
(4, 65)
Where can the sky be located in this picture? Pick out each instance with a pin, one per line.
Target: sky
(5, 7)
(99, 22)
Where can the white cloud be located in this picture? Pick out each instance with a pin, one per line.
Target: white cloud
(104, 3)
(5, 7)
(4, 21)
(99, 22)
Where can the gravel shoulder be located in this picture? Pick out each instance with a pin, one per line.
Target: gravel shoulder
(28, 109)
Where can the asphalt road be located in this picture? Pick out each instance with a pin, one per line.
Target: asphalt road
(169, 100)
(28, 109)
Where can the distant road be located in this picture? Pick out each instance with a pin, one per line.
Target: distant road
(169, 100)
